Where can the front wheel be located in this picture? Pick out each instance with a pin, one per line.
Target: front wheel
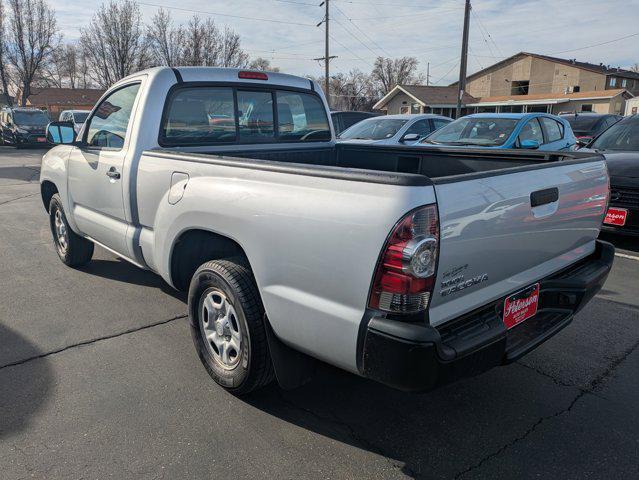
(227, 325)
(72, 249)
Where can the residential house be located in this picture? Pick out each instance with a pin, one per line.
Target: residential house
(422, 99)
(540, 83)
(55, 100)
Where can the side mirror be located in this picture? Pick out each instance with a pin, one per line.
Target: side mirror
(410, 137)
(60, 133)
(529, 144)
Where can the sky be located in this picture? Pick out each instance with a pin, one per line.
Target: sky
(285, 31)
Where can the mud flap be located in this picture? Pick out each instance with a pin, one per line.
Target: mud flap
(292, 368)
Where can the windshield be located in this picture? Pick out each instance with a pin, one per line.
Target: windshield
(30, 118)
(621, 136)
(582, 123)
(373, 129)
(474, 131)
(80, 117)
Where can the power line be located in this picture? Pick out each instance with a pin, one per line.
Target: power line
(272, 20)
(350, 51)
(447, 73)
(482, 26)
(597, 44)
(362, 32)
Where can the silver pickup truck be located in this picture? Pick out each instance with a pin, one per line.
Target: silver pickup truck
(409, 266)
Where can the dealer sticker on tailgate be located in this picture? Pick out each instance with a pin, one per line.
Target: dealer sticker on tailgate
(616, 216)
(521, 306)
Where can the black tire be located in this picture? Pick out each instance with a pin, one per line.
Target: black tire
(254, 368)
(78, 251)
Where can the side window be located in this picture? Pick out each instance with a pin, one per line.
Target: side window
(531, 131)
(199, 115)
(255, 110)
(553, 130)
(439, 123)
(108, 125)
(420, 127)
(301, 118)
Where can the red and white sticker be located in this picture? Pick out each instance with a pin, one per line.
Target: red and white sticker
(521, 306)
(41, 139)
(616, 216)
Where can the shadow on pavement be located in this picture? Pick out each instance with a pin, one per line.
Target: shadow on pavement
(25, 174)
(427, 433)
(625, 242)
(23, 388)
(123, 271)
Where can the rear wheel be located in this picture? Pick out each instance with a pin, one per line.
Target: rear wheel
(227, 324)
(72, 249)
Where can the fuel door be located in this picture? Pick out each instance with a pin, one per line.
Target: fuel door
(179, 182)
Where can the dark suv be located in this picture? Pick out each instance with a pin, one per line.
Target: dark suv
(23, 126)
(587, 126)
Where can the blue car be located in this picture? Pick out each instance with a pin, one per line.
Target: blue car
(533, 131)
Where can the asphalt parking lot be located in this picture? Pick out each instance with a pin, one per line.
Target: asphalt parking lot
(99, 379)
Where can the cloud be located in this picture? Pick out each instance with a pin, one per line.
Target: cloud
(429, 30)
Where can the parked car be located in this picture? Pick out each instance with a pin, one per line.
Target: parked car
(531, 131)
(23, 126)
(587, 126)
(345, 119)
(394, 129)
(295, 249)
(620, 145)
(76, 117)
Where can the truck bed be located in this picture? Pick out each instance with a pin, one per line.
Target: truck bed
(438, 164)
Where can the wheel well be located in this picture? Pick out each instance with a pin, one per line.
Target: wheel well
(195, 247)
(47, 190)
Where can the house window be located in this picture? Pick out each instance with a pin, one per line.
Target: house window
(519, 87)
(613, 82)
(586, 107)
(575, 89)
(404, 109)
(624, 83)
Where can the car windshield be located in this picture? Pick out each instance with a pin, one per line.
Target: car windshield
(582, 123)
(484, 131)
(30, 118)
(373, 129)
(622, 136)
(80, 117)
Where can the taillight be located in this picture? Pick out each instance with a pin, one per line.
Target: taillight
(247, 75)
(405, 274)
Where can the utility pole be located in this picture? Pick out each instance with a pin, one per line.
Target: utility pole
(327, 58)
(428, 74)
(464, 59)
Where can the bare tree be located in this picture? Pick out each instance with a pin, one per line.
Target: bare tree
(263, 64)
(635, 68)
(232, 54)
(114, 43)
(201, 43)
(352, 91)
(32, 38)
(4, 74)
(165, 40)
(206, 45)
(389, 72)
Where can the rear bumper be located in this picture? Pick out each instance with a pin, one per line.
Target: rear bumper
(415, 357)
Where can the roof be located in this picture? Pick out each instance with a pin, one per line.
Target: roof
(426, 95)
(592, 67)
(544, 98)
(65, 96)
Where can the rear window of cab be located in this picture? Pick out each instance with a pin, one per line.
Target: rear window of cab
(213, 115)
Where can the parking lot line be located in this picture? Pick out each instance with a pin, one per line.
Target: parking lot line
(623, 255)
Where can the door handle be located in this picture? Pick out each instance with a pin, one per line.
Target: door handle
(543, 197)
(113, 174)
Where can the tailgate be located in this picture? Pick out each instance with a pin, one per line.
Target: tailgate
(502, 231)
